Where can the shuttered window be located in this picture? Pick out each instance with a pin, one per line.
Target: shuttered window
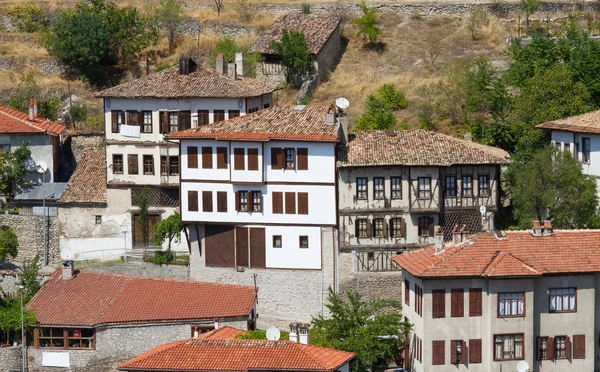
(438, 352)
(438, 302)
(379, 228)
(290, 203)
(363, 228)
(418, 300)
(207, 158)
(253, 159)
(233, 114)
(147, 121)
(148, 165)
(241, 201)
(133, 118)
(238, 159)
(163, 122)
(218, 115)
(397, 227)
(185, 120)
(221, 157)
(302, 159)
(192, 157)
(578, 346)
(475, 304)
(406, 292)
(302, 203)
(475, 351)
(207, 201)
(117, 164)
(203, 117)
(132, 164)
(458, 352)
(117, 118)
(257, 201)
(193, 201)
(277, 202)
(457, 303)
(542, 348)
(173, 121)
(221, 201)
(173, 165)
(164, 166)
(276, 158)
(425, 226)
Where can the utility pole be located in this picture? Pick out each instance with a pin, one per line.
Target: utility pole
(22, 332)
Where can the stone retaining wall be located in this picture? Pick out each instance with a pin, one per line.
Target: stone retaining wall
(30, 234)
(10, 359)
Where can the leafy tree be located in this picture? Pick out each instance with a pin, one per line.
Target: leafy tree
(169, 14)
(377, 115)
(12, 169)
(10, 315)
(28, 17)
(30, 278)
(9, 245)
(142, 219)
(392, 97)
(477, 19)
(28, 89)
(367, 23)
(78, 113)
(168, 229)
(551, 185)
(528, 7)
(294, 53)
(362, 327)
(91, 37)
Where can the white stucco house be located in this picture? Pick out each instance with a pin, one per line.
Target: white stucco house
(138, 114)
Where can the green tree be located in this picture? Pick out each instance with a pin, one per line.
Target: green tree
(30, 277)
(294, 53)
(362, 327)
(10, 315)
(28, 17)
(367, 23)
(168, 229)
(28, 89)
(92, 36)
(528, 7)
(377, 115)
(169, 14)
(142, 218)
(12, 169)
(9, 245)
(551, 185)
(78, 113)
(392, 97)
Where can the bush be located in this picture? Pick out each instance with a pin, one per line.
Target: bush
(261, 335)
(392, 97)
(163, 257)
(164, 67)
(306, 8)
(28, 17)
(229, 47)
(78, 113)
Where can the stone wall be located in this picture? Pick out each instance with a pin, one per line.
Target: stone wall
(10, 359)
(372, 284)
(145, 269)
(30, 234)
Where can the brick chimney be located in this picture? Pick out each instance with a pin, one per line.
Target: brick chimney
(537, 228)
(67, 270)
(239, 63)
(231, 71)
(31, 109)
(294, 332)
(547, 228)
(303, 333)
(221, 69)
(35, 108)
(459, 234)
(439, 239)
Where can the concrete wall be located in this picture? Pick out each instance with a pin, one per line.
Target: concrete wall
(41, 148)
(30, 234)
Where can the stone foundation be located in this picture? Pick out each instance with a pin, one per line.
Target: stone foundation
(30, 234)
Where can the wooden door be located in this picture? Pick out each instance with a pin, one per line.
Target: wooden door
(219, 246)
(138, 237)
(257, 247)
(241, 246)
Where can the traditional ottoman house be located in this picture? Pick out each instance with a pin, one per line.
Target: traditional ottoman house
(94, 321)
(492, 300)
(395, 186)
(138, 114)
(259, 200)
(219, 350)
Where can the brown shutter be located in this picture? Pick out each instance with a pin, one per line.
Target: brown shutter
(207, 158)
(221, 201)
(219, 245)
(458, 306)
(392, 228)
(238, 159)
(403, 228)
(253, 159)
(218, 115)
(463, 352)
(233, 114)
(221, 157)
(262, 203)
(302, 203)
(452, 352)
(192, 157)
(302, 159)
(578, 346)
(550, 348)
(567, 347)
(431, 227)
(132, 164)
(474, 351)
(356, 228)
(277, 202)
(114, 121)
(475, 302)
(140, 115)
(276, 158)
(290, 203)
(207, 201)
(539, 348)
(184, 120)
(237, 201)
(385, 228)
(193, 201)
(163, 122)
(257, 248)
(202, 117)
(369, 232)
(241, 246)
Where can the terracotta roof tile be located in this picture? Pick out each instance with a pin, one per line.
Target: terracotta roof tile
(277, 122)
(220, 354)
(203, 82)
(414, 148)
(13, 121)
(316, 29)
(518, 254)
(88, 183)
(92, 298)
(584, 123)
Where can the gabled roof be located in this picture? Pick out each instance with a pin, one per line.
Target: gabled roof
(17, 122)
(519, 254)
(220, 351)
(203, 83)
(584, 123)
(414, 148)
(286, 122)
(92, 298)
(316, 29)
(88, 182)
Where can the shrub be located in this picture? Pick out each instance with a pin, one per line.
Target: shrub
(229, 47)
(28, 17)
(78, 113)
(163, 257)
(164, 67)
(366, 23)
(306, 8)
(392, 97)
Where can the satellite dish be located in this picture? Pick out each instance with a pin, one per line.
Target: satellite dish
(30, 165)
(42, 167)
(273, 334)
(523, 366)
(342, 103)
(482, 209)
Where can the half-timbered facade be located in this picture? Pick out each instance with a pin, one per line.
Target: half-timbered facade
(394, 187)
(139, 113)
(259, 200)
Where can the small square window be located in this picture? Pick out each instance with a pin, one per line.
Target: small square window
(303, 241)
(98, 220)
(276, 241)
(370, 256)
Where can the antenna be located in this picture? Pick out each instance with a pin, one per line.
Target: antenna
(273, 334)
(523, 366)
(342, 103)
(42, 167)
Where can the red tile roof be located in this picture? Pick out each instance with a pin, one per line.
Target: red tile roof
(13, 121)
(88, 184)
(584, 123)
(286, 122)
(92, 298)
(213, 352)
(519, 254)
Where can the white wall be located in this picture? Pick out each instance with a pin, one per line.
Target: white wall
(591, 168)
(140, 178)
(290, 255)
(41, 149)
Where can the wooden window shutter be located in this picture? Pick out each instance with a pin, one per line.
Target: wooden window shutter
(431, 227)
(369, 228)
(277, 202)
(457, 303)
(202, 117)
(237, 201)
(140, 115)
(578, 346)
(192, 157)
(356, 228)
(539, 349)
(403, 227)
(207, 158)
(218, 115)
(475, 302)
(184, 120)
(302, 203)
(253, 159)
(207, 201)
(474, 351)
(221, 201)
(385, 228)
(276, 158)
(567, 347)
(238, 159)
(132, 164)
(463, 352)
(550, 348)
(452, 352)
(163, 117)
(193, 201)
(114, 121)
(302, 159)
(221, 157)
(290, 203)
(258, 247)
